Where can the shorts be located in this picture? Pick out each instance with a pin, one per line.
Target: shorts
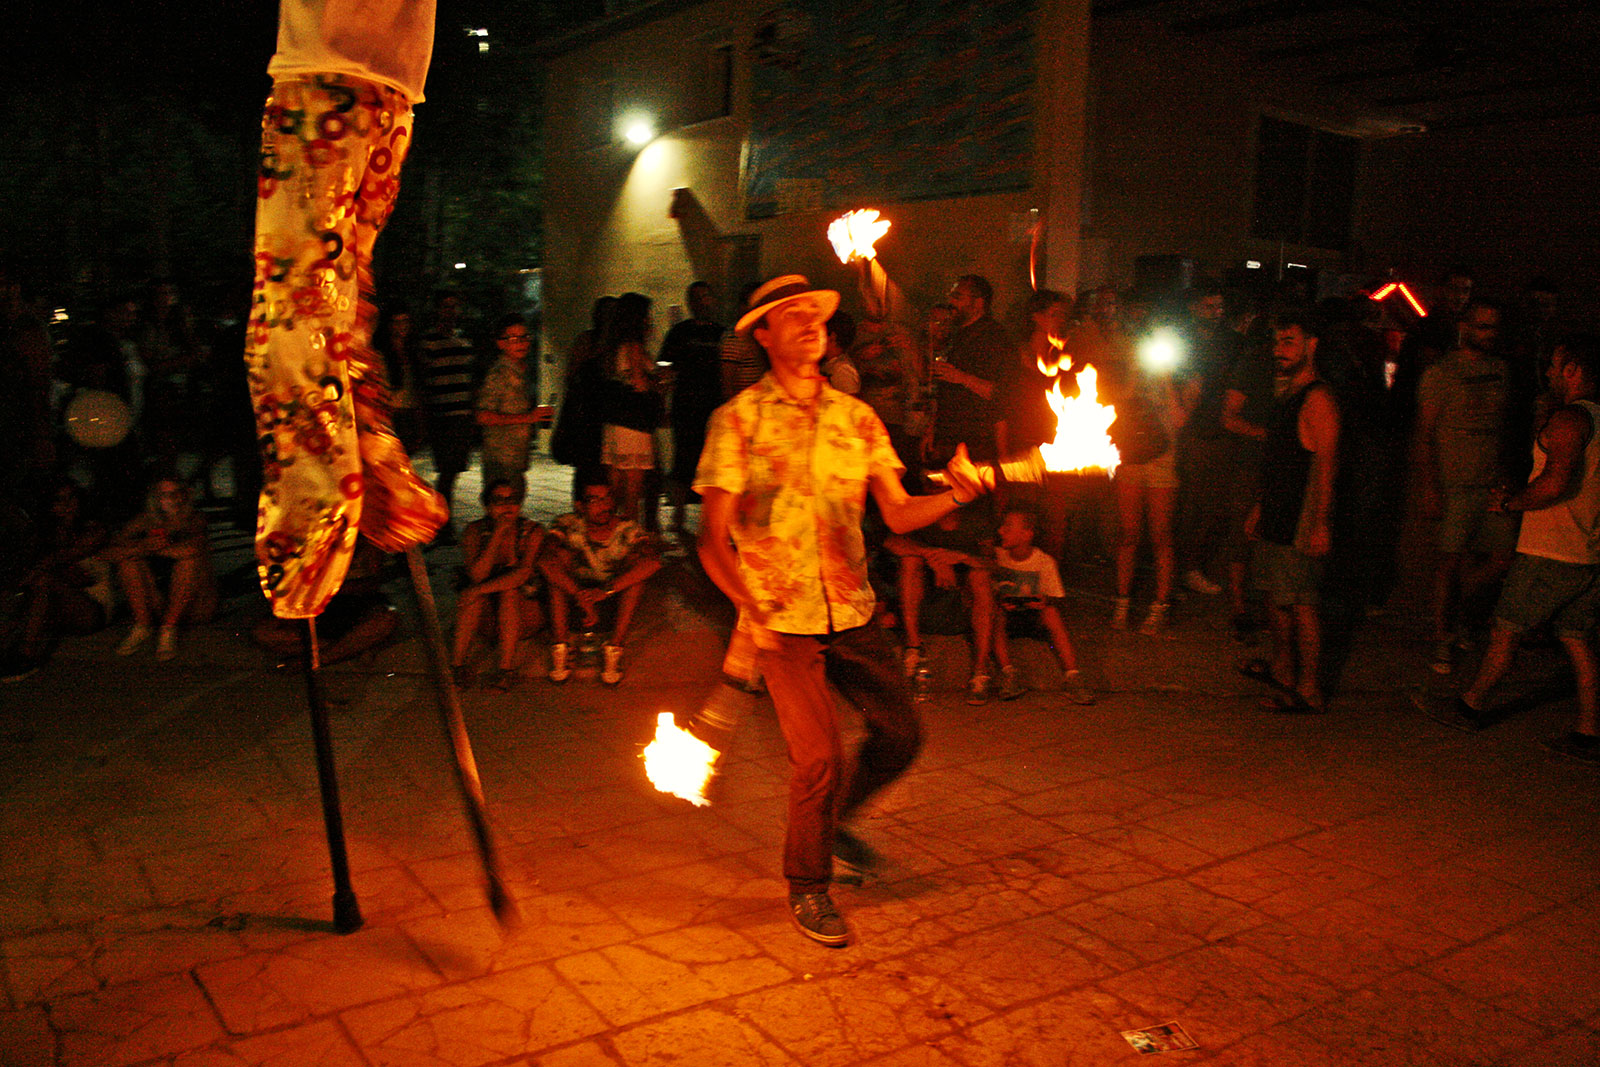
(1158, 473)
(1288, 577)
(1539, 588)
(628, 450)
(1468, 525)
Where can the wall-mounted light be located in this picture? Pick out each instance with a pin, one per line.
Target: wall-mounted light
(461, 266)
(638, 129)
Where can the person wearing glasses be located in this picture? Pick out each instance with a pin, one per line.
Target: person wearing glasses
(501, 550)
(506, 405)
(596, 556)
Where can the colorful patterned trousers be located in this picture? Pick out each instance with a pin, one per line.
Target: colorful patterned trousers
(331, 152)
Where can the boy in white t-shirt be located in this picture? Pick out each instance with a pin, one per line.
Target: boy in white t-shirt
(1026, 579)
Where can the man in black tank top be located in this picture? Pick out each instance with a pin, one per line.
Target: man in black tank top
(1291, 520)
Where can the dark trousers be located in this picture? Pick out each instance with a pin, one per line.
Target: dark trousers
(861, 664)
(450, 440)
(1202, 500)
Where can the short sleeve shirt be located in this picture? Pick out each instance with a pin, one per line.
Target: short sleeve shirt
(799, 473)
(1470, 393)
(447, 373)
(505, 392)
(981, 349)
(597, 562)
(1026, 579)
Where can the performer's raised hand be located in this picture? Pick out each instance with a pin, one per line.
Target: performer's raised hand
(969, 480)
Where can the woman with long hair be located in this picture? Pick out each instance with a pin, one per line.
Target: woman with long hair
(163, 562)
(633, 404)
(395, 341)
(576, 440)
(67, 588)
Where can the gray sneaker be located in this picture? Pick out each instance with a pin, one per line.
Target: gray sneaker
(1011, 686)
(818, 919)
(853, 852)
(1072, 685)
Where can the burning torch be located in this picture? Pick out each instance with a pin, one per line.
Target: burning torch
(853, 236)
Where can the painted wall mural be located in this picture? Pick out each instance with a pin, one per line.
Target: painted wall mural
(853, 102)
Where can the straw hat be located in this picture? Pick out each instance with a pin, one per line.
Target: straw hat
(781, 290)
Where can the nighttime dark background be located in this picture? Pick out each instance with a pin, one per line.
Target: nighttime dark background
(128, 136)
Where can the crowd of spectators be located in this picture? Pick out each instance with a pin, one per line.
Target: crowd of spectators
(1437, 416)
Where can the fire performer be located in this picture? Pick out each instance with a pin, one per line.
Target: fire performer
(785, 474)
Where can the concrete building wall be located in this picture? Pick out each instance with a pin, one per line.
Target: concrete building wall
(607, 222)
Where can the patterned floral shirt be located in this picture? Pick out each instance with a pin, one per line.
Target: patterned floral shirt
(505, 392)
(800, 476)
(597, 562)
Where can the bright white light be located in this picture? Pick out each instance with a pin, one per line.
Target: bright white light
(1252, 264)
(639, 131)
(1161, 351)
(480, 32)
(483, 46)
(1295, 266)
(461, 266)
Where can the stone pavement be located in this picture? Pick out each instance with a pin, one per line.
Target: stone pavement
(1363, 888)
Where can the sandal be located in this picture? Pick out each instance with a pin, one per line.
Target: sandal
(1259, 670)
(1290, 703)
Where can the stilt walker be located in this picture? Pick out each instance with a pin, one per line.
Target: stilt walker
(334, 136)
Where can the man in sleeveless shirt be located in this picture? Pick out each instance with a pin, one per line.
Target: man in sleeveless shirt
(1290, 523)
(1555, 576)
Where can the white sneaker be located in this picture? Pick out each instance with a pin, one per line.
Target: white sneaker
(559, 671)
(1196, 581)
(611, 672)
(913, 659)
(167, 643)
(135, 640)
(1155, 622)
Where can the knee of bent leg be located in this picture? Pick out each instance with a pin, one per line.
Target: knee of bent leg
(816, 774)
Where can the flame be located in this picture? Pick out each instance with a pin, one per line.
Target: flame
(1082, 441)
(1058, 353)
(855, 232)
(679, 763)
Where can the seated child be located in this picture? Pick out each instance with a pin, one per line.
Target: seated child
(163, 563)
(500, 550)
(1025, 579)
(66, 589)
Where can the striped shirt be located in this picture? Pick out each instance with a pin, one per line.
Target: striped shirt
(447, 378)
